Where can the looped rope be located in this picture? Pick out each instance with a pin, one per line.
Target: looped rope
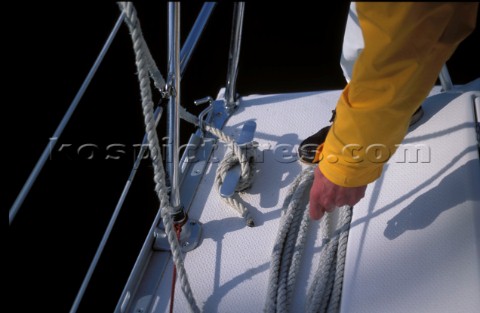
(145, 64)
(243, 155)
(231, 159)
(289, 244)
(325, 290)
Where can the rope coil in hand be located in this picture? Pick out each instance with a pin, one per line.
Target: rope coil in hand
(325, 291)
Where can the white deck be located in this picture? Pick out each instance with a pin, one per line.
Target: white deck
(414, 243)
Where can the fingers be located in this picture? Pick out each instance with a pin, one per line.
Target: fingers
(326, 196)
(316, 210)
(317, 203)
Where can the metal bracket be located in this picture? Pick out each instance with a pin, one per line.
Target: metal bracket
(168, 91)
(204, 113)
(233, 175)
(189, 237)
(192, 167)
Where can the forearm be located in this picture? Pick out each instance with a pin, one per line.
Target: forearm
(406, 44)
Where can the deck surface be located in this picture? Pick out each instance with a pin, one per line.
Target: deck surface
(414, 242)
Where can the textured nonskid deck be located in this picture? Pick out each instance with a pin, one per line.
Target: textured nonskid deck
(413, 244)
(414, 240)
(229, 271)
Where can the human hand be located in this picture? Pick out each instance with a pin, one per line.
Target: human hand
(325, 196)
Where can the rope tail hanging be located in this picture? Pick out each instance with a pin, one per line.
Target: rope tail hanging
(324, 294)
(146, 65)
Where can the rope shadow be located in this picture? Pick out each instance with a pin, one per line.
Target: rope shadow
(434, 104)
(276, 169)
(426, 208)
(212, 302)
(373, 201)
(219, 291)
(440, 133)
(416, 190)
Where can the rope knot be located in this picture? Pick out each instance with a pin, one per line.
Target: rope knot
(244, 155)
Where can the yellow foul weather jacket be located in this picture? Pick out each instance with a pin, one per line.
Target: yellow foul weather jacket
(406, 45)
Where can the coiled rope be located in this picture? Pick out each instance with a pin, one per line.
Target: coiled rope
(146, 65)
(325, 291)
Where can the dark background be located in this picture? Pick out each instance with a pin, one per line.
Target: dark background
(285, 48)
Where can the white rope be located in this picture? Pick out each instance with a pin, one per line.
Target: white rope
(139, 44)
(280, 286)
(325, 291)
(237, 155)
(144, 64)
(324, 294)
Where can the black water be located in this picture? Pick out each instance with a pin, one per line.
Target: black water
(54, 236)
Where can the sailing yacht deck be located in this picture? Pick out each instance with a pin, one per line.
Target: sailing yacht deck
(413, 244)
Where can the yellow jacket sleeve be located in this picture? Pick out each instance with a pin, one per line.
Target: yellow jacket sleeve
(406, 44)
